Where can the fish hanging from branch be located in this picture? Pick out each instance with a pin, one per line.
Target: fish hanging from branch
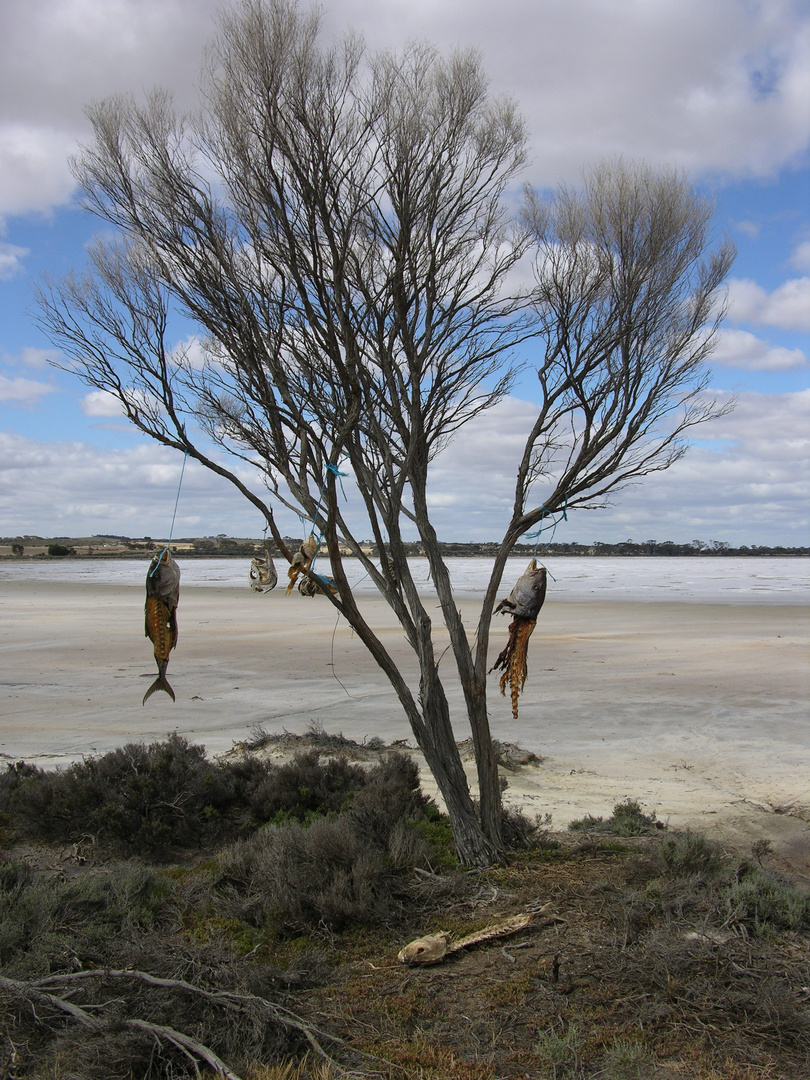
(263, 576)
(302, 560)
(523, 603)
(316, 586)
(162, 598)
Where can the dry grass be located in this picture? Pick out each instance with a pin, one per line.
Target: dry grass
(668, 960)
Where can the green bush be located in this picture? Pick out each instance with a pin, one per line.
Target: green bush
(764, 905)
(45, 920)
(59, 550)
(627, 819)
(167, 797)
(149, 800)
(625, 1060)
(306, 786)
(342, 869)
(559, 1054)
(689, 854)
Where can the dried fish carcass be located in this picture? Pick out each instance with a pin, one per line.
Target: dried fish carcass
(523, 603)
(263, 576)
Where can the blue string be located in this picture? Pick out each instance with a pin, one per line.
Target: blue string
(335, 471)
(553, 526)
(174, 515)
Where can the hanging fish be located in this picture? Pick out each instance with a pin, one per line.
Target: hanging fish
(318, 585)
(527, 597)
(302, 560)
(263, 576)
(162, 598)
(524, 603)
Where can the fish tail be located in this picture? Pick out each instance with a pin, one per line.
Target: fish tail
(160, 683)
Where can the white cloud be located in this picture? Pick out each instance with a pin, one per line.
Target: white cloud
(787, 307)
(100, 403)
(720, 86)
(713, 87)
(746, 482)
(34, 171)
(56, 56)
(75, 489)
(22, 391)
(751, 229)
(189, 352)
(10, 255)
(739, 349)
(36, 358)
(749, 484)
(800, 258)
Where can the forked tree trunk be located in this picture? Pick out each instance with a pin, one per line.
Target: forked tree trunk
(473, 844)
(429, 718)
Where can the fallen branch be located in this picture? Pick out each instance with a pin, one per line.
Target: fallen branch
(226, 998)
(183, 1042)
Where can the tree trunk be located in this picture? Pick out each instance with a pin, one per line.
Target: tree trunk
(489, 784)
(429, 718)
(473, 685)
(473, 846)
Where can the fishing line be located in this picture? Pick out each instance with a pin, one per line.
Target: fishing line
(332, 664)
(177, 500)
(174, 515)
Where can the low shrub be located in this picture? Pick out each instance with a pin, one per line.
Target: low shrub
(689, 854)
(342, 869)
(764, 904)
(627, 819)
(163, 798)
(45, 922)
(305, 786)
(148, 800)
(560, 1054)
(626, 1060)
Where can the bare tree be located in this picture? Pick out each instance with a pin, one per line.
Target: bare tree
(335, 225)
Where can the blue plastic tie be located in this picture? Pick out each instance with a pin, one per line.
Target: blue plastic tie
(553, 526)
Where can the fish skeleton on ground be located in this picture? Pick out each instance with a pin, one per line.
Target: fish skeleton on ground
(435, 947)
(162, 598)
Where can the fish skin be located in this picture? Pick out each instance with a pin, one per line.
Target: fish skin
(160, 610)
(526, 598)
(263, 575)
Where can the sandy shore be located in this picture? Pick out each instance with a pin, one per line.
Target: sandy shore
(700, 711)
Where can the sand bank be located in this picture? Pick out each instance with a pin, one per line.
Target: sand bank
(698, 710)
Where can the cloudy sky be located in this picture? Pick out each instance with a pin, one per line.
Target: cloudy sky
(721, 89)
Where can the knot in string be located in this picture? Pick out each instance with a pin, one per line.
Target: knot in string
(545, 528)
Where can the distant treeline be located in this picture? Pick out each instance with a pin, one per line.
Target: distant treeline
(229, 547)
(629, 547)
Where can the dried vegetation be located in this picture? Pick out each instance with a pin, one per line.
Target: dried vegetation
(262, 943)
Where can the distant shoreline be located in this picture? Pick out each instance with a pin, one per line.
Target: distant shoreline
(61, 548)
